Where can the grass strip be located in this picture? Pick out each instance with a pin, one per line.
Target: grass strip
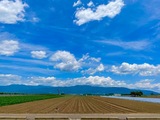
(10, 100)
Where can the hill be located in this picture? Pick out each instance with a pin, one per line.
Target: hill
(80, 89)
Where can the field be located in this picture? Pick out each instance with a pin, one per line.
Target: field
(82, 104)
(10, 100)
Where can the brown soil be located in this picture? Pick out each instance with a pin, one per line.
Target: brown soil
(82, 104)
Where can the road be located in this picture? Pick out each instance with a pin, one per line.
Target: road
(78, 116)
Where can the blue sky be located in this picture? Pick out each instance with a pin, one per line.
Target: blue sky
(110, 43)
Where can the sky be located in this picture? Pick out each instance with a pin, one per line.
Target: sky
(108, 43)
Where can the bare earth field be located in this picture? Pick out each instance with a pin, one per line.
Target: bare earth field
(82, 104)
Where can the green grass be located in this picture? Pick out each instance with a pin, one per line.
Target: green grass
(10, 100)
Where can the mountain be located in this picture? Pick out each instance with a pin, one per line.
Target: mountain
(79, 89)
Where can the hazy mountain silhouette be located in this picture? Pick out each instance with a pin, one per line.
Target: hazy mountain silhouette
(79, 89)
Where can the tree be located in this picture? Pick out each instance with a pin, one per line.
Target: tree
(136, 93)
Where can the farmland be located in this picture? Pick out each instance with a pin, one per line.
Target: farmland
(10, 100)
(82, 104)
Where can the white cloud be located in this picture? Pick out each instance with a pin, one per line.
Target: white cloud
(133, 45)
(65, 61)
(9, 47)
(92, 71)
(91, 65)
(96, 80)
(77, 3)
(49, 81)
(8, 79)
(84, 15)
(146, 84)
(87, 60)
(95, 59)
(100, 68)
(12, 11)
(90, 4)
(141, 69)
(38, 54)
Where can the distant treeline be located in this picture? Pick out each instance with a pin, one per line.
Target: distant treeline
(136, 93)
(5, 93)
(132, 93)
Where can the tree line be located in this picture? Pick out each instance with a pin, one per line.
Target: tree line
(136, 93)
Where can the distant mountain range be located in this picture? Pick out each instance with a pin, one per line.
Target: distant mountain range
(80, 89)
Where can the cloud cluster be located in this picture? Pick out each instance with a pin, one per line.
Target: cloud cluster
(38, 54)
(140, 69)
(84, 15)
(8, 79)
(9, 47)
(49, 81)
(97, 81)
(92, 71)
(146, 84)
(65, 61)
(52, 81)
(12, 11)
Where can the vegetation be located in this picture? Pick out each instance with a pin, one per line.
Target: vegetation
(10, 100)
(136, 93)
(5, 93)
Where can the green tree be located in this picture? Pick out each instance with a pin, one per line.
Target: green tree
(136, 93)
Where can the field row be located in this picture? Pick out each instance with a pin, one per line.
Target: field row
(82, 104)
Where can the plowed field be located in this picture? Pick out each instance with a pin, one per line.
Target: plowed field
(82, 104)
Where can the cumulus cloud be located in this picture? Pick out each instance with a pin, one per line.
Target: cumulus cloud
(77, 3)
(146, 84)
(65, 61)
(140, 69)
(8, 79)
(97, 81)
(38, 54)
(12, 11)
(84, 15)
(49, 81)
(132, 45)
(92, 71)
(9, 47)
(91, 65)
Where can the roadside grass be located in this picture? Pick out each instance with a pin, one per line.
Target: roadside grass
(10, 100)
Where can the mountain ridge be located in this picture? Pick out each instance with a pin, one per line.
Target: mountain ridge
(78, 89)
